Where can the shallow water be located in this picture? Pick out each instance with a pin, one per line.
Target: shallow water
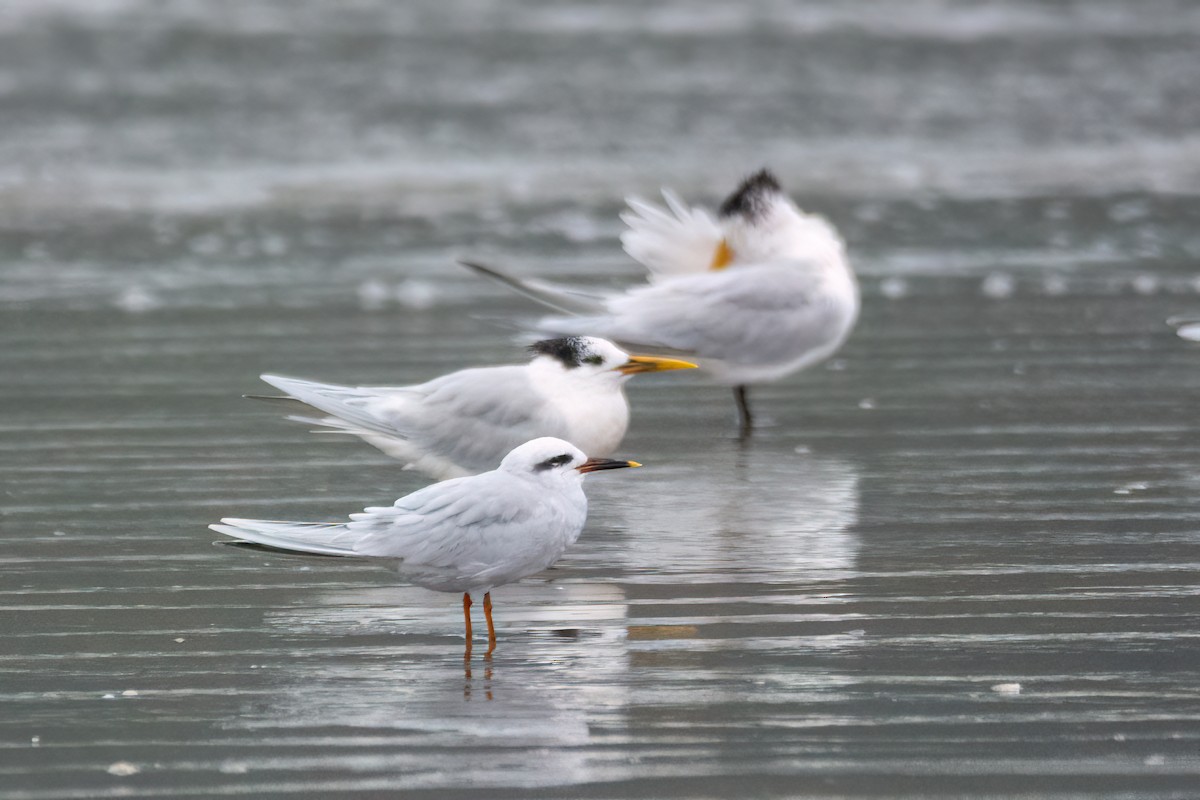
(964, 560)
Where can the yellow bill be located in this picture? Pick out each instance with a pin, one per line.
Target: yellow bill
(637, 364)
(721, 257)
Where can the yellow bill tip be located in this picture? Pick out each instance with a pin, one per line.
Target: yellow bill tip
(721, 257)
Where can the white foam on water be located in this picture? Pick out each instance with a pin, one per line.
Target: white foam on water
(1145, 284)
(1189, 331)
(137, 300)
(998, 286)
(893, 288)
(373, 295)
(416, 295)
(123, 769)
(1055, 285)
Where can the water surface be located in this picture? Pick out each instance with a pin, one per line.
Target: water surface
(964, 561)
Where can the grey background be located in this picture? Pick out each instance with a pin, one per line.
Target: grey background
(995, 482)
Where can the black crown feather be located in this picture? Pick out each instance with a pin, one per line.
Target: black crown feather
(569, 350)
(750, 199)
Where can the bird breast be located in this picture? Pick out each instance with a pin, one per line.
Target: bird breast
(589, 411)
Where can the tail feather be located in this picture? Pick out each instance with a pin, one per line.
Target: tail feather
(345, 403)
(560, 298)
(321, 538)
(271, 398)
(331, 425)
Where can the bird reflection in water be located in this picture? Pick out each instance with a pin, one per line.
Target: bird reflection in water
(391, 676)
(469, 676)
(763, 509)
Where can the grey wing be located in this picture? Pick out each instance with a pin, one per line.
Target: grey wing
(476, 530)
(476, 416)
(470, 418)
(759, 312)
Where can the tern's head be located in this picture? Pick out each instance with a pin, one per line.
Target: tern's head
(592, 358)
(762, 224)
(549, 459)
(755, 200)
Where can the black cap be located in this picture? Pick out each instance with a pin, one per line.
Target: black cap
(750, 199)
(569, 350)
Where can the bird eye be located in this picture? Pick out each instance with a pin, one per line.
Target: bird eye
(556, 461)
(594, 360)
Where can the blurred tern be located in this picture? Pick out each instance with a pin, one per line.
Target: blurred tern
(464, 423)
(1186, 326)
(754, 294)
(466, 535)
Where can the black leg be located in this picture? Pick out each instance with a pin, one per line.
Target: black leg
(467, 618)
(743, 406)
(487, 612)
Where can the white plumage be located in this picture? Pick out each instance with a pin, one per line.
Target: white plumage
(681, 242)
(465, 422)
(752, 295)
(467, 534)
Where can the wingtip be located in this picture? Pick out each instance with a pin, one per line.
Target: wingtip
(269, 377)
(281, 382)
(475, 265)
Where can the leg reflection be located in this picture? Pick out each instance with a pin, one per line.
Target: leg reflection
(469, 682)
(745, 418)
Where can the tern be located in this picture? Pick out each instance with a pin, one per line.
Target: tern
(465, 422)
(466, 535)
(753, 294)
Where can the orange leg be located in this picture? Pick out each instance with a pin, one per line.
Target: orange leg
(487, 612)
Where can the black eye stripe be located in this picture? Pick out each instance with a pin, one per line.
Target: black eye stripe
(551, 463)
